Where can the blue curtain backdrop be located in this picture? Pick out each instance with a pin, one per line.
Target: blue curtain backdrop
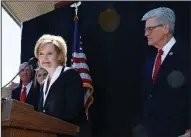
(115, 58)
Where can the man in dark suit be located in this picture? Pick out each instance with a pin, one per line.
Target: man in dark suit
(26, 92)
(166, 81)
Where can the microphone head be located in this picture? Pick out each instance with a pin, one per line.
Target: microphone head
(32, 61)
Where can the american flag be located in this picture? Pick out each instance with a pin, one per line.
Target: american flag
(79, 62)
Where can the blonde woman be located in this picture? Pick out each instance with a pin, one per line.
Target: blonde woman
(41, 75)
(62, 93)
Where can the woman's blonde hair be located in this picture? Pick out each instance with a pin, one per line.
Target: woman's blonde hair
(57, 41)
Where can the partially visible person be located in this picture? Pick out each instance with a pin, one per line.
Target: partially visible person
(26, 92)
(166, 81)
(6, 93)
(14, 85)
(41, 75)
(39, 78)
(62, 93)
(187, 134)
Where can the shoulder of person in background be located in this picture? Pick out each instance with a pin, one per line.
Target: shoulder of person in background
(187, 134)
(139, 131)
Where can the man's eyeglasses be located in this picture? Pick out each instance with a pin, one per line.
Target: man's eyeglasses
(150, 29)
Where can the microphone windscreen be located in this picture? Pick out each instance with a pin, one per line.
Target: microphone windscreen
(32, 61)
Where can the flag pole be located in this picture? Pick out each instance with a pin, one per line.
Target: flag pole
(83, 69)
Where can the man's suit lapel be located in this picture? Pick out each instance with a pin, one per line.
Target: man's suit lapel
(168, 62)
(30, 93)
(18, 93)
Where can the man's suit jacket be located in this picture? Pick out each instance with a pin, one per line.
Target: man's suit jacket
(65, 99)
(32, 97)
(166, 103)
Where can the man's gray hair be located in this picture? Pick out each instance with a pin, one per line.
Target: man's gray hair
(29, 66)
(163, 16)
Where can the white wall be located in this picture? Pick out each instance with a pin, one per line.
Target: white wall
(11, 48)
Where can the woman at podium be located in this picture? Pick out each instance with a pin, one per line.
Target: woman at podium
(62, 92)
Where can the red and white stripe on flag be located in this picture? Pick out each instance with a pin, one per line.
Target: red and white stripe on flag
(79, 63)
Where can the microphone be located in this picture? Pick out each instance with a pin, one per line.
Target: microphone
(31, 61)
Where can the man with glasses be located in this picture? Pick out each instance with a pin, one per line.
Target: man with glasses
(166, 85)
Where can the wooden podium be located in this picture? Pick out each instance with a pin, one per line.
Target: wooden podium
(20, 120)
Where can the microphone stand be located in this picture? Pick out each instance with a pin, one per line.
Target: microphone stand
(30, 62)
(14, 77)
